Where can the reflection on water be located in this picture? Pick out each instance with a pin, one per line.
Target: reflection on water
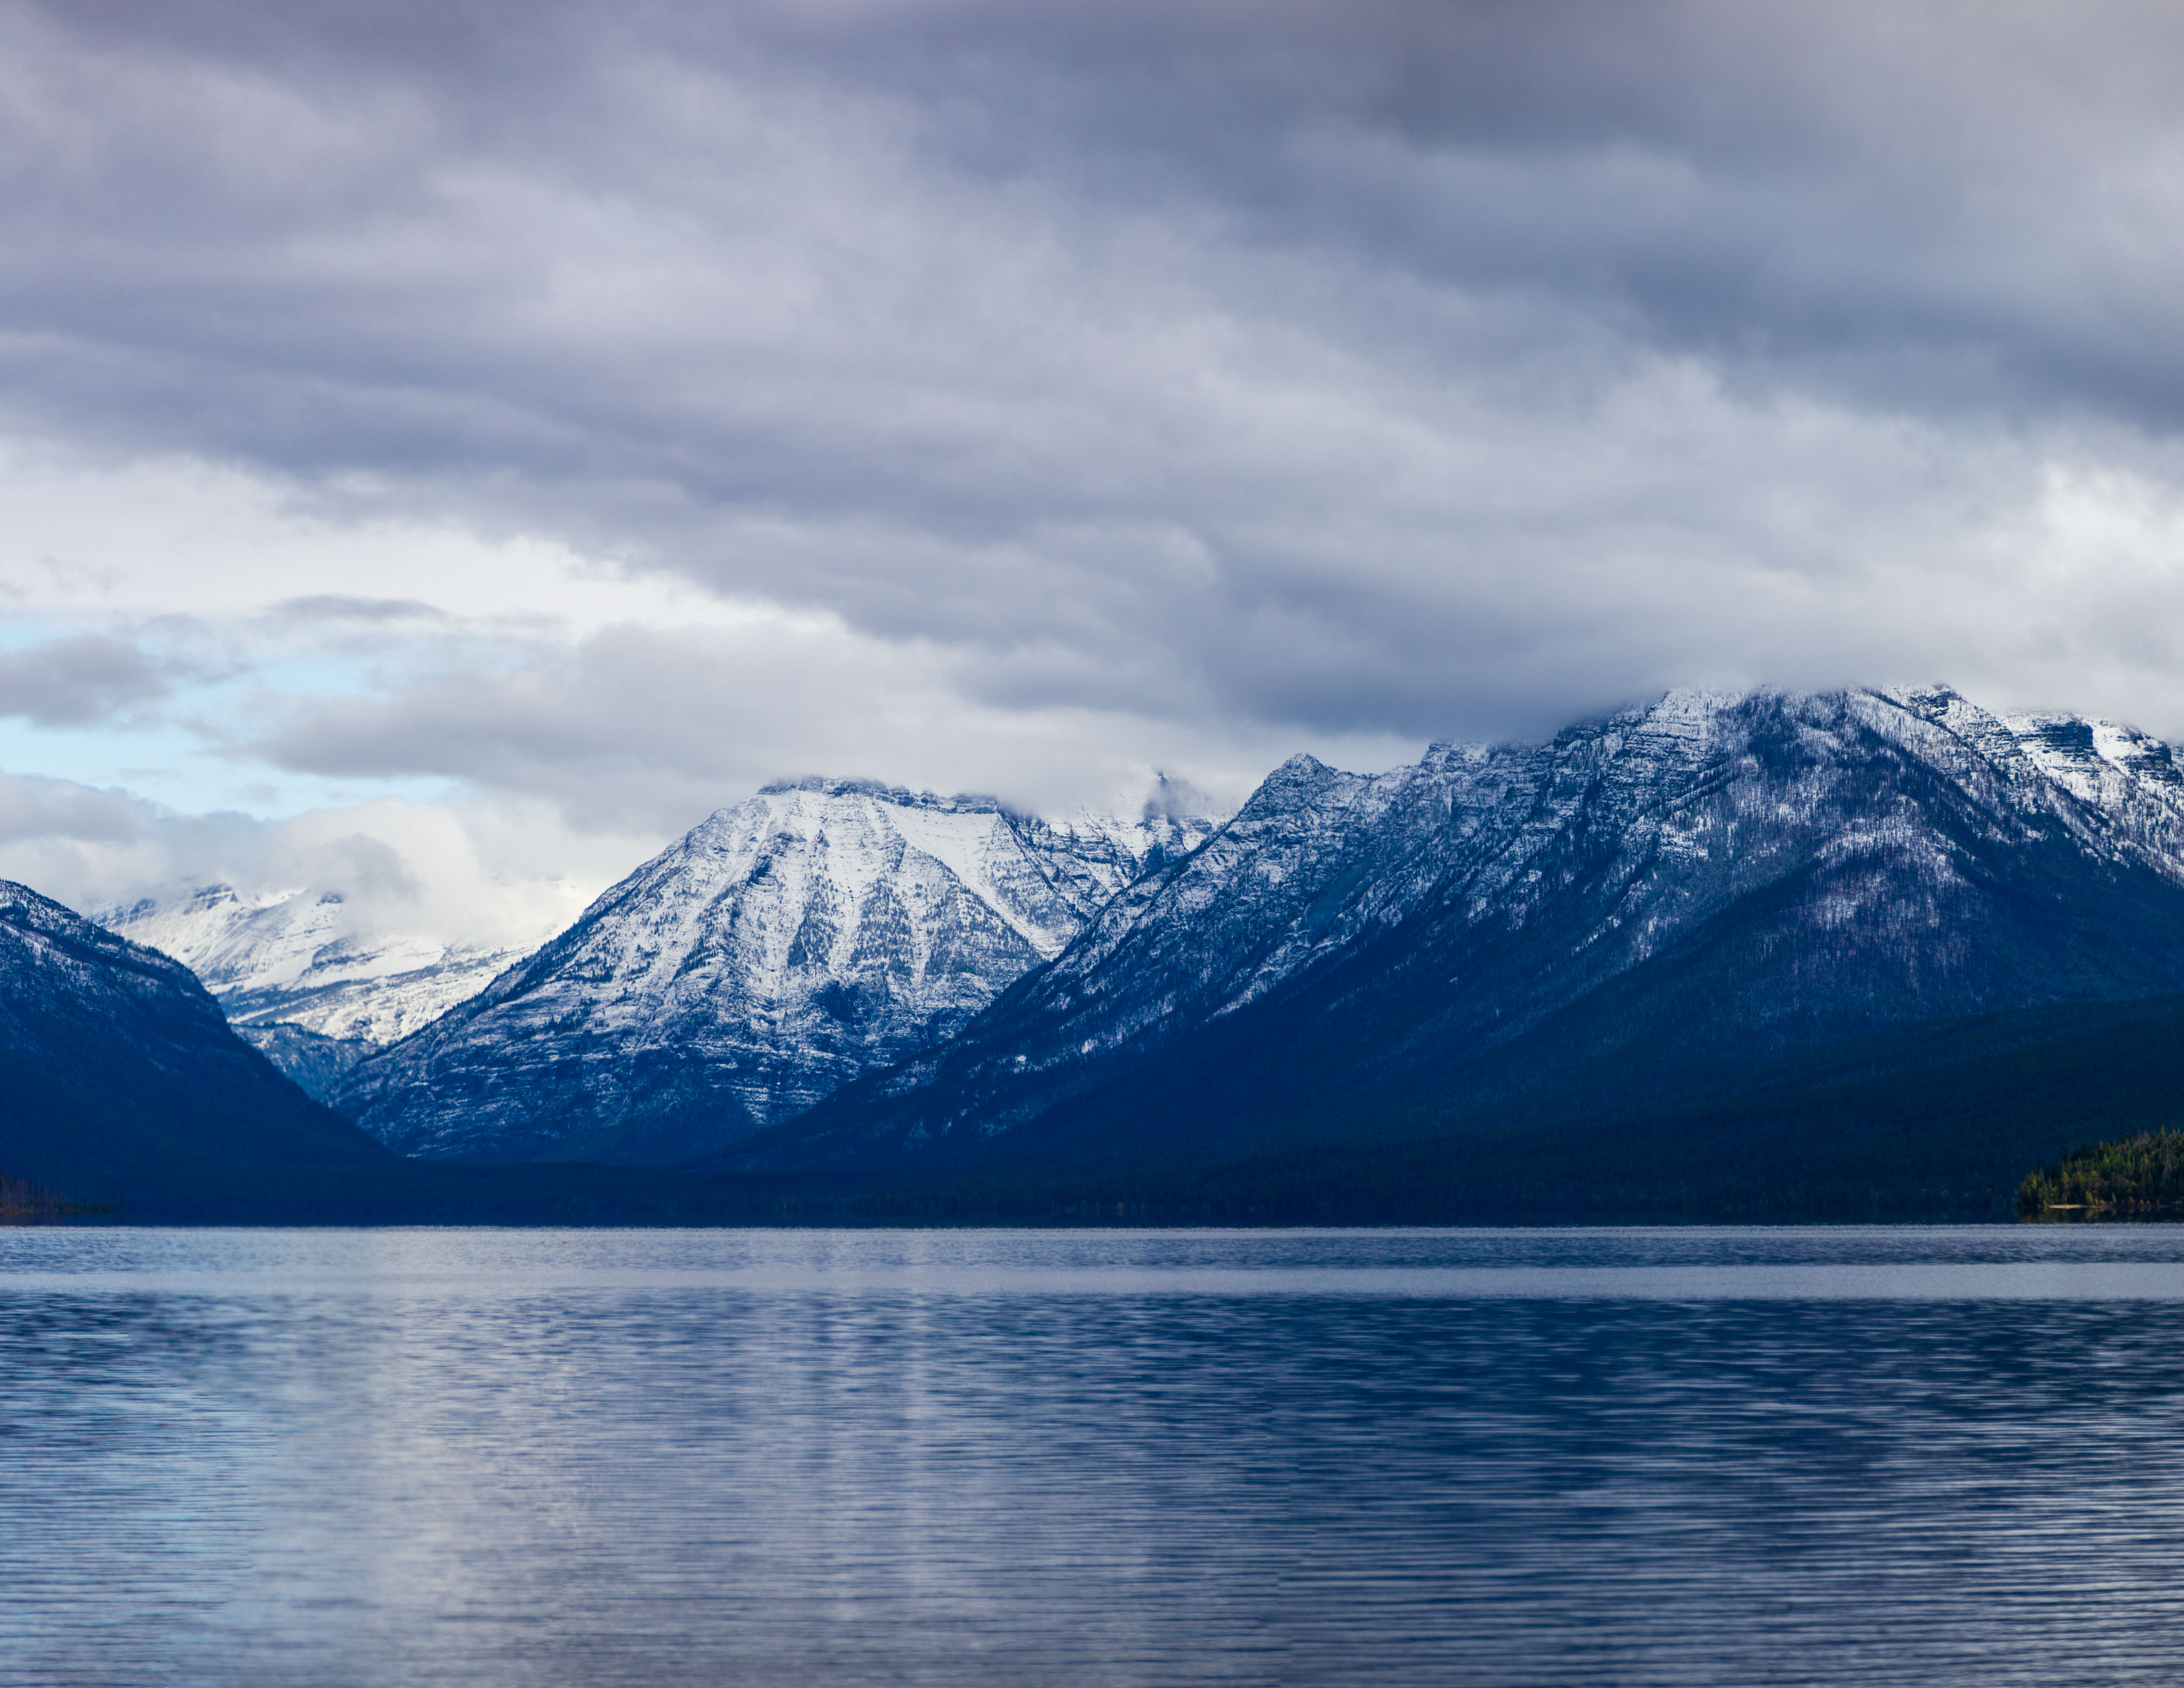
(491, 1458)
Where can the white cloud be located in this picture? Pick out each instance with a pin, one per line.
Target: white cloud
(494, 875)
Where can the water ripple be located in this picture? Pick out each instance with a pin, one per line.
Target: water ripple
(493, 1458)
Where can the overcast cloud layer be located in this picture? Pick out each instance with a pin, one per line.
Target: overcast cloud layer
(588, 412)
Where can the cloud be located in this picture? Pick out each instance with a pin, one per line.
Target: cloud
(56, 809)
(492, 874)
(69, 681)
(640, 729)
(329, 606)
(2041, 592)
(616, 407)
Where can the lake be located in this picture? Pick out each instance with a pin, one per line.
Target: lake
(546, 1458)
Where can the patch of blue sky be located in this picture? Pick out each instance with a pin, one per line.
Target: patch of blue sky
(21, 632)
(302, 674)
(169, 764)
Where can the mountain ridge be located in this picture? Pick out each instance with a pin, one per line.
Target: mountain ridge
(1428, 916)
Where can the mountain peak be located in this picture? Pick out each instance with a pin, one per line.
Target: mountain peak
(962, 803)
(787, 943)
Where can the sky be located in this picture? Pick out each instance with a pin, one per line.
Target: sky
(455, 446)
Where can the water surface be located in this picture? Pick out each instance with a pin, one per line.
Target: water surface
(488, 1456)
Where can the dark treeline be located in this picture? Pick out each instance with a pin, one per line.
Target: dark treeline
(21, 1198)
(1936, 1122)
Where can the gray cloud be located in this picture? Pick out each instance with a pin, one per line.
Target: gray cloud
(339, 607)
(647, 731)
(60, 809)
(70, 682)
(1361, 369)
(1967, 196)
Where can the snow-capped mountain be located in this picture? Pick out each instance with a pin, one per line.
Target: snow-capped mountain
(783, 946)
(1676, 888)
(294, 957)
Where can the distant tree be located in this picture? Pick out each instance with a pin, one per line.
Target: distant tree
(21, 1198)
(2131, 1175)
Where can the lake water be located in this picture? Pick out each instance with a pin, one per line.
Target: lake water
(546, 1458)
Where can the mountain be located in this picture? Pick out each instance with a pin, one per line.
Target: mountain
(1557, 932)
(298, 958)
(314, 1064)
(120, 1078)
(782, 947)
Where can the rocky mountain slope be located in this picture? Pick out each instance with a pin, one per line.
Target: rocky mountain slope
(315, 1065)
(295, 957)
(121, 1078)
(785, 945)
(1677, 890)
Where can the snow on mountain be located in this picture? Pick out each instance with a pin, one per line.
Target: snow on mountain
(1685, 790)
(782, 946)
(295, 958)
(1829, 863)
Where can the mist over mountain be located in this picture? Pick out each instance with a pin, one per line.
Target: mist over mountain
(292, 957)
(303, 980)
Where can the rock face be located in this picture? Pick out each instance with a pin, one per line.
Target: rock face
(293, 957)
(1677, 889)
(119, 1075)
(783, 946)
(314, 1065)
